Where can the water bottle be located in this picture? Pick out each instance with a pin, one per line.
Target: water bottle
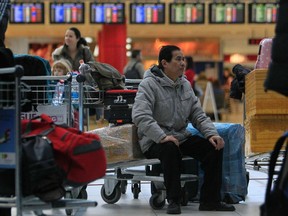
(74, 89)
(58, 97)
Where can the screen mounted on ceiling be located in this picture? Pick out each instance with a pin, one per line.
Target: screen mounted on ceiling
(147, 13)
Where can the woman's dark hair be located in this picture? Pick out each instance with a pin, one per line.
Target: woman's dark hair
(189, 62)
(166, 53)
(135, 53)
(78, 36)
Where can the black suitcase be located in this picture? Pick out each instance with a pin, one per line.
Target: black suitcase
(118, 114)
(119, 97)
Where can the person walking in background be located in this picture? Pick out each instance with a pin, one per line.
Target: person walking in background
(191, 75)
(226, 86)
(74, 49)
(164, 105)
(5, 7)
(189, 70)
(134, 69)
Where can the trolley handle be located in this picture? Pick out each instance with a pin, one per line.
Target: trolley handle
(17, 71)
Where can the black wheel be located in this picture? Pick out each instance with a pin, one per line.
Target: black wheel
(155, 203)
(68, 195)
(123, 186)
(153, 188)
(135, 190)
(113, 197)
(82, 194)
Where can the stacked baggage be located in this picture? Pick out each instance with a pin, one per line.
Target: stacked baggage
(266, 112)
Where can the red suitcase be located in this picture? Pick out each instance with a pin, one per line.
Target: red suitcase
(264, 54)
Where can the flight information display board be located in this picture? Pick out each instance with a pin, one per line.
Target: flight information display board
(147, 13)
(27, 13)
(263, 12)
(66, 13)
(220, 13)
(186, 13)
(103, 13)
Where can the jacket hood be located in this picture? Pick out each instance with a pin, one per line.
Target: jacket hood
(156, 73)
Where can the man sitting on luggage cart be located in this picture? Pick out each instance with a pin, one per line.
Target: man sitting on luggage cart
(164, 105)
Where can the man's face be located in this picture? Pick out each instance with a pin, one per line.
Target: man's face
(176, 66)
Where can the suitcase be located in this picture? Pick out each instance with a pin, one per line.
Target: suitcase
(118, 114)
(264, 54)
(119, 97)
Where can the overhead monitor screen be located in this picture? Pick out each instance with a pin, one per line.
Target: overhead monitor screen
(27, 13)
(220, 13)
(62, 13)
(182, 13)
(263, 12)
(147, 13)
(105, 13)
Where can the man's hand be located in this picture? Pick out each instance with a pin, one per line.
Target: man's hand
(171, 139)
(217, 142)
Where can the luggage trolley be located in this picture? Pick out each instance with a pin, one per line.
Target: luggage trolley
(39, 98)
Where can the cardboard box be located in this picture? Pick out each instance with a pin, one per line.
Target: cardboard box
(120, 142)
(262, 132)
(259, 102)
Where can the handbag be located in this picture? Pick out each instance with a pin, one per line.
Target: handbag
(80, 156)
(40, 173)
(276, 198)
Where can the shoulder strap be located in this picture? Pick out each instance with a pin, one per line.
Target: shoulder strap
(273, 159)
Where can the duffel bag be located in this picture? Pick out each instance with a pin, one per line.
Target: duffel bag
(79, 155)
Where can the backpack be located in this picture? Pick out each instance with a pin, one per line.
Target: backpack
(132, 73)
(276, 198)
(80, 156)
(105, 75)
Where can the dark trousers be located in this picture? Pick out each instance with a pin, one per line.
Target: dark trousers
(202, 150)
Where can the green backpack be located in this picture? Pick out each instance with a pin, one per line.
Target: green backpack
(105, 75)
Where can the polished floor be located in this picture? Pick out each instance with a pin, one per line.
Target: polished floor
(127, 205)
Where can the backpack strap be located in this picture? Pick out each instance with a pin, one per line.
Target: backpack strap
(273, 159)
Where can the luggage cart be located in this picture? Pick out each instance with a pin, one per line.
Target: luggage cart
(89, 97)
(12, 105)
(117, 175)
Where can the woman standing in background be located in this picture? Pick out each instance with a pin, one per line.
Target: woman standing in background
(74, 49)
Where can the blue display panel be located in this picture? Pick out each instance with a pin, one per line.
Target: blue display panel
(107, 13)
(67, 13)
(147, 13)
(31, 13)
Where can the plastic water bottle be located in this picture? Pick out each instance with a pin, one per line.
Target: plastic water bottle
(58, 97)
(74, 89)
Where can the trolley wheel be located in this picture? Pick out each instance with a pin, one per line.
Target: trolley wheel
(154, 202)
(136, 190)
(123, 186)
(82, 194)
(112, 198)
(68, 195)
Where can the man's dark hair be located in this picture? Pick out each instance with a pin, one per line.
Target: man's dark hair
(166, 53)
(135, 53)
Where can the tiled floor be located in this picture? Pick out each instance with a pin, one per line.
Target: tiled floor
(127, 205)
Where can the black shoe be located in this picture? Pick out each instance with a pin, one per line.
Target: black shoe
(216, 207)
(173, 208)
